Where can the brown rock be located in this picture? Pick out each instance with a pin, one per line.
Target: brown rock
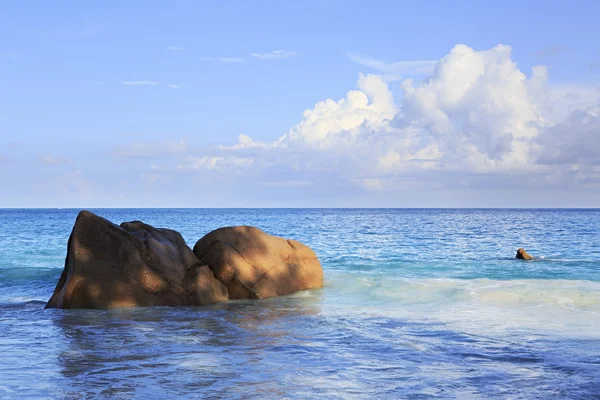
(206, 288)
(523, 255)
(255, 265)
(131, 265)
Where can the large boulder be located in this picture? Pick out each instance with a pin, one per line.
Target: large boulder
(255, 265)
(132, 264)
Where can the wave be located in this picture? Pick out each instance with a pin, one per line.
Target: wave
(572, 293)
(550, 259)
(28, 276)
(571, 307)
(23, 302)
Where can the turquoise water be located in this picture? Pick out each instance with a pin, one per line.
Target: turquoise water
(416, 304)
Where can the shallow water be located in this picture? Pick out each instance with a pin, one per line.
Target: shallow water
(417, 303)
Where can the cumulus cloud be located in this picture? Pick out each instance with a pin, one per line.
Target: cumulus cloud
(476, 109)
(246, 142)
(368, 109)
(476, 121)
(574, 141)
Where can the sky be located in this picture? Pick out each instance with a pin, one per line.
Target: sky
(314, 103)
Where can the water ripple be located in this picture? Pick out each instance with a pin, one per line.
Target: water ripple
(417, 304)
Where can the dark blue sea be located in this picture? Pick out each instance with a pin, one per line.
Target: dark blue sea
(417, 303)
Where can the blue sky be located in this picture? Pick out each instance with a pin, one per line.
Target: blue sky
(141, 104)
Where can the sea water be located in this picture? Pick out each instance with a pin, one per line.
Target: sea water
(417, 303)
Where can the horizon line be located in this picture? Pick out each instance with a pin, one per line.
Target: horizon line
(300, 208)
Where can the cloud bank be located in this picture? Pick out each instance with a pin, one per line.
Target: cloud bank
(475, 130)
(477, 121)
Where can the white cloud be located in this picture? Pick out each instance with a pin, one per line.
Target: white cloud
(372, 184)
(246, 142)
(419, 67)
(286, 183)
(229, 60)
(274, 54)
(476, 108)
(140, 83)
(574, 141)
(477, 114)
(476, 121)
(50, 160)
(177, 85)
(277, 54)
(208, 162)
(370, 108)
(176, 48)
(475, 124)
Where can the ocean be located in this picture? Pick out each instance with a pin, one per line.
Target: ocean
(417, 303)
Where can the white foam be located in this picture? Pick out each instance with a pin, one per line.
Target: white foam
(559, 307)
(19, 299)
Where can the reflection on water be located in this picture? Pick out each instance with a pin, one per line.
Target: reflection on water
(308, 345)
(417, 304)
(208, 349)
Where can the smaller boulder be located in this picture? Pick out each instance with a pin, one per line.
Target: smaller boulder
(255, 265)
(523, 255)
